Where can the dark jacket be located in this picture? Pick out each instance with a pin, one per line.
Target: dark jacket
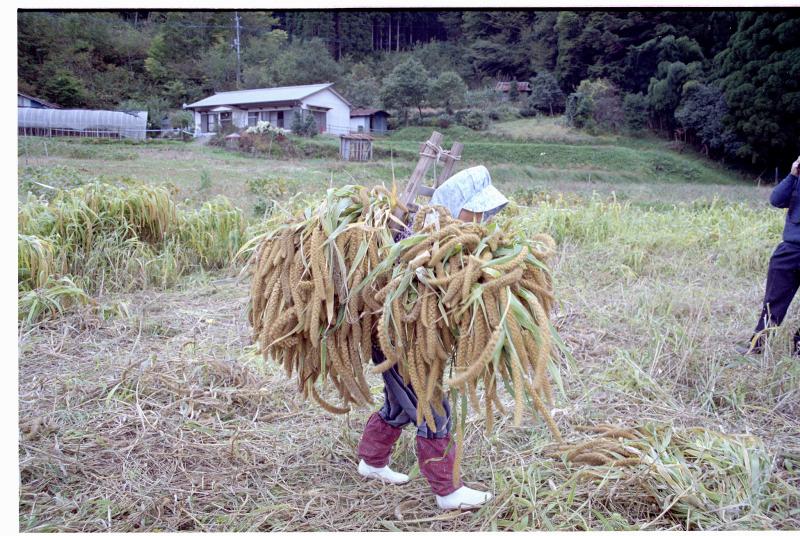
(787, 195)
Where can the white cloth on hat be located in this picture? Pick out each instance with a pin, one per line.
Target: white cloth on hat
(470, 189)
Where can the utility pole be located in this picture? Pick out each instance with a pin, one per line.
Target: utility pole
(238, 52)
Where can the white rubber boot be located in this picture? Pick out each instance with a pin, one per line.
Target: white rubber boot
(383, 474)
(463, 498)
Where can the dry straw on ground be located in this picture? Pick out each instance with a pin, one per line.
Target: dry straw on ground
(152, 411)
(168, 420)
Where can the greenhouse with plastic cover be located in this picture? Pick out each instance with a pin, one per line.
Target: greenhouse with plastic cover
(84, 123)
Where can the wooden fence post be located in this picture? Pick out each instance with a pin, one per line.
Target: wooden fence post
(449, 163)
(428, 153)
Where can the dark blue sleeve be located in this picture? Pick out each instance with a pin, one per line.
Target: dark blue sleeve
(782, 193)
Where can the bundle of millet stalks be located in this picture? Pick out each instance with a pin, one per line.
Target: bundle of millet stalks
(468, 304)
(455, 306)
(304, 310)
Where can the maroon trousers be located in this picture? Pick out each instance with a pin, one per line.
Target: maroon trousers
(436, 456)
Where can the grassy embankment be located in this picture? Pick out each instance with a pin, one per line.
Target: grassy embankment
(531, 158)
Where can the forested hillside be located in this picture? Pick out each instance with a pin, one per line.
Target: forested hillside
(723, 81)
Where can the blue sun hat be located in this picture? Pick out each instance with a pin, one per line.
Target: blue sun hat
(470, 189)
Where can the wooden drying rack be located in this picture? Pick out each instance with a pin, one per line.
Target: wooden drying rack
(430, 152)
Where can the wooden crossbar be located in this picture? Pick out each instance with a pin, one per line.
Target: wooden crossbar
(429, 152)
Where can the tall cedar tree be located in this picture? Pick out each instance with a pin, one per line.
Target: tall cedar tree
(758, 74)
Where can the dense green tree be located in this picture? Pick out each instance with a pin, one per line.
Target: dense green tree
(66, 90)
(594, 105)
(666, 88)
(219, 67)
(439, 56)
(156, 107)
(701, 112)
(305, 62)
(546, 95)
(354, 34)
(642, 61)
(451, 23)
(499, 42)
(99, 52)
(757, 74)
(636, 111)
(513, 91)
(306, 25)
(358, 33)
(258, 59)
(584, 41)
(303, 124)
(474, 119)
(448, 91)
(579, 110)
(406, 86)
(359, 86)
(37, 37)
(157, 60)
(626, 47)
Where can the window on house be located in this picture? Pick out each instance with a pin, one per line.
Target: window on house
(252, 119)
(264, 116)
(280, 119)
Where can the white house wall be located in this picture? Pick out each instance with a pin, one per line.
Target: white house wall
(361, 121)
(338, 117)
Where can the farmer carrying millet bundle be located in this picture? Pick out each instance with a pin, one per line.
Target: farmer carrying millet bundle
(470, 197)
(783, 276)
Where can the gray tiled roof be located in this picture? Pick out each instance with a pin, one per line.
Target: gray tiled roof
(273, 94)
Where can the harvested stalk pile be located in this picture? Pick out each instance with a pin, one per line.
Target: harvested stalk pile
(458, 305)
(468, 304)
(604, 449)
(305, 311)
(699, 476)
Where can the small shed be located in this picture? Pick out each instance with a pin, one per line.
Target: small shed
(369, 120)
(357, 147)
(505, 87)
(232, 140)
(26, 101)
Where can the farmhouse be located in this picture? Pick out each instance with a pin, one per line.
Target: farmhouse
(505, 87)
(368, 120)
(240, 109)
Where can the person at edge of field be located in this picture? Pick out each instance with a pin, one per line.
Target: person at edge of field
(468, 196)
(783, 275)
